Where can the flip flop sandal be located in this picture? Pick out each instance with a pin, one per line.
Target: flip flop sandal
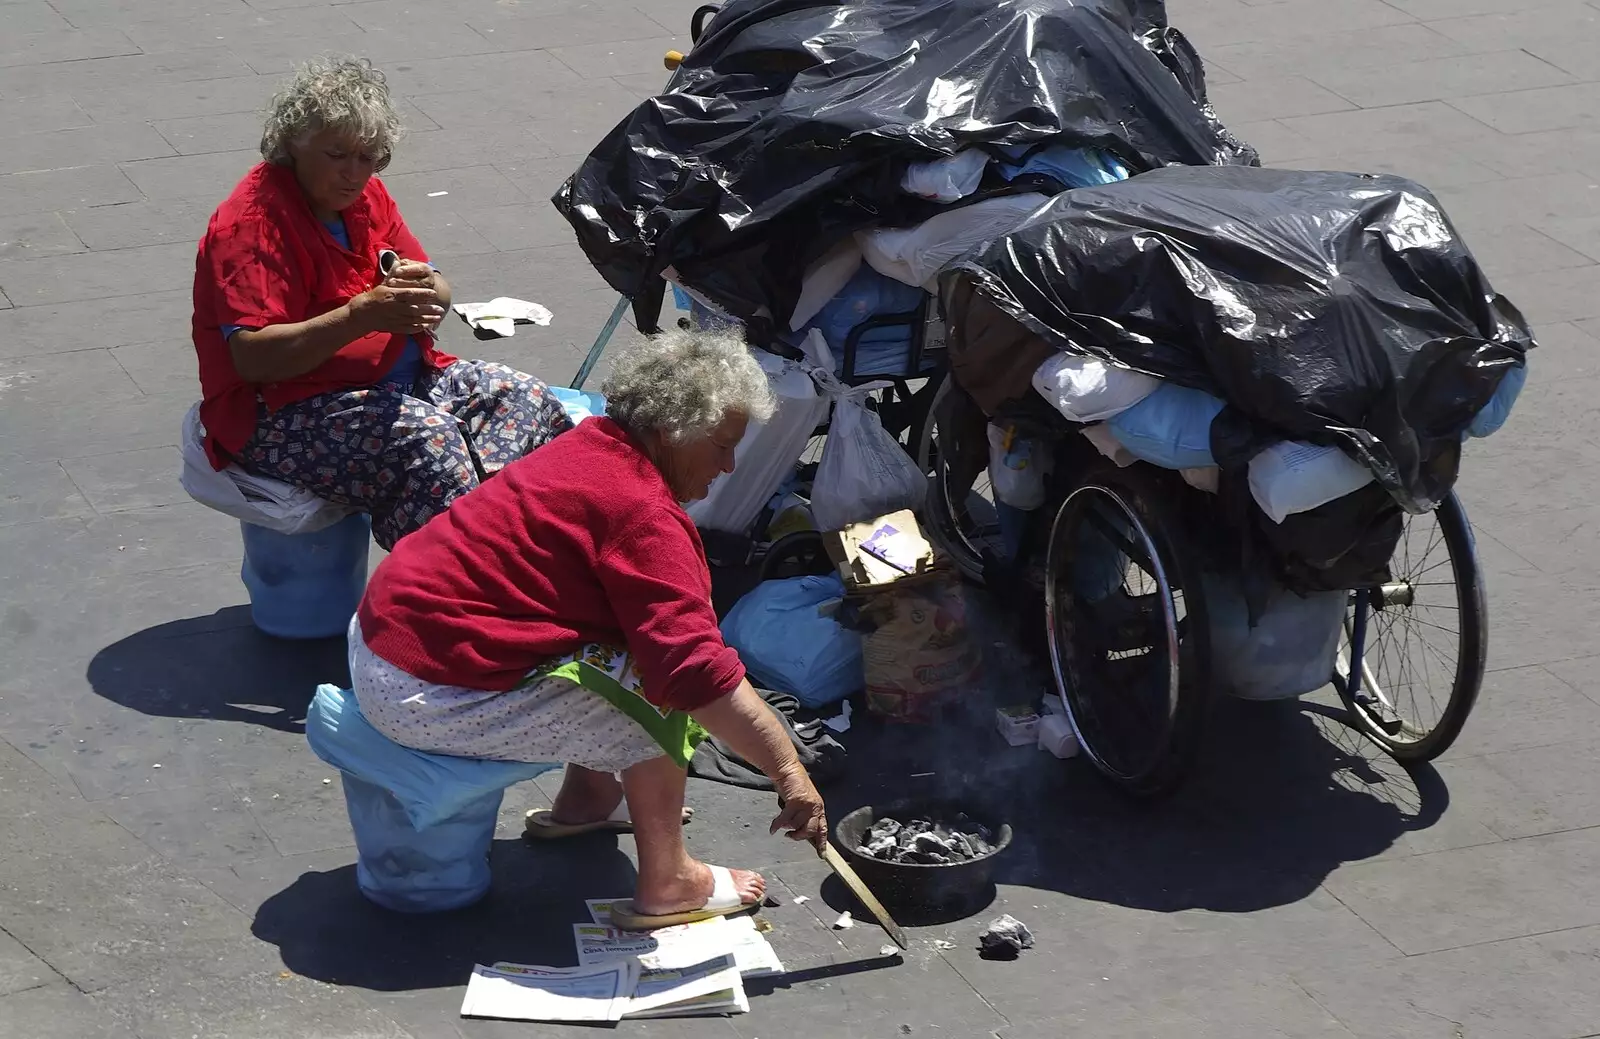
(540, 824)
(724, 901)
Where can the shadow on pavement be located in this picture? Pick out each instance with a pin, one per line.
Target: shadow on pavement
(1283, 794)
(222, 667)
(324, 929)
(218, 667)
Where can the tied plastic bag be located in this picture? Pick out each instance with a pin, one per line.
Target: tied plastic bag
(1289, 652)
(1495, 413)
(788, 645)
(273, 504)
(1088, 389)
(1170, 428)
(423, 822)
(1017, 470)
(946, 179)
(1291, 476)
(766, 456)
(579, 404)
(864, 471)
(916, 255)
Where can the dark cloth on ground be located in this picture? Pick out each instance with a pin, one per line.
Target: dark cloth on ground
(821, 754)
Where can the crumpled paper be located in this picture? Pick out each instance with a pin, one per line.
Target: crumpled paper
(502, 314)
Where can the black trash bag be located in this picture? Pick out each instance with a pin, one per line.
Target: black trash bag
(791, 123)
(1336, 308)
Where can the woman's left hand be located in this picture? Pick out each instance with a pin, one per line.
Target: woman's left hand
(411, 274)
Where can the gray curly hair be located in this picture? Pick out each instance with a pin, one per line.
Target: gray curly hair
(683, 383)
(341, 92)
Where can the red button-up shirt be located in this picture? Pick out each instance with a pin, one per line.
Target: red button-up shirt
(267, 260)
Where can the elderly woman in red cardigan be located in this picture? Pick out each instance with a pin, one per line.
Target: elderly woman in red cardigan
(563, 613)
(317, 367)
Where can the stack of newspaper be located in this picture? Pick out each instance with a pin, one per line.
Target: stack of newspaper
(684, 971)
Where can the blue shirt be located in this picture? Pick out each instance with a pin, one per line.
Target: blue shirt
(403, 374)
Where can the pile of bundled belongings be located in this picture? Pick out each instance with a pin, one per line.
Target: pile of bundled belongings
(1313, 348)
(1321, 343)
(814, 164)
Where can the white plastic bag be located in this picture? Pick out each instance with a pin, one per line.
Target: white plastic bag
(864, 472)
(1087, 389)
(916, 255)
(272, 504)
(768, 452)
(1017, 470)
(1290, 651)
(948, 179)
(1291, 477)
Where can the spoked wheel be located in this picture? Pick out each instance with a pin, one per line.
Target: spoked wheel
(1126, 621)
(960, 509)
(1422, 638)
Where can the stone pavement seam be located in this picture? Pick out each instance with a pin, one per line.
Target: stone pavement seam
(59, 977)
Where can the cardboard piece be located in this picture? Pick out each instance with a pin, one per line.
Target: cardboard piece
(873, 555)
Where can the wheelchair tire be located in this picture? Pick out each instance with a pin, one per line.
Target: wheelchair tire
(1429, 636)
(801, 554)
(1132, 664)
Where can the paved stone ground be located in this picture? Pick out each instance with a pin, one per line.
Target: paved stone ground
(1301, 887)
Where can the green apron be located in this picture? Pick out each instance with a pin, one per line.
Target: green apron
(608, 672)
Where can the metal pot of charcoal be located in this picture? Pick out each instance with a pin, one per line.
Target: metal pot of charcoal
(927, 857)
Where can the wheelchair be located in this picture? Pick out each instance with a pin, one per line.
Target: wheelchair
(1119, 569)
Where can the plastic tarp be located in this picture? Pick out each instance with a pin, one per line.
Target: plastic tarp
(791, 124)
(1334, 308)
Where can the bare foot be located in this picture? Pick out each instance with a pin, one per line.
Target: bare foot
(691, 888)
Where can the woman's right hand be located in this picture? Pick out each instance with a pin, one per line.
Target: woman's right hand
(801, 812)
(400, 310)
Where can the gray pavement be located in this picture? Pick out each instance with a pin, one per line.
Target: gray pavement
(173, 863)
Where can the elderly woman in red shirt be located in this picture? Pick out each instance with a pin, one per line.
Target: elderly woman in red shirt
(317, 367)
(563, 613)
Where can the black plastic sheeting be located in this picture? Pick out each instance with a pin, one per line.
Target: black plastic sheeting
(791, 123)
(1336, 308)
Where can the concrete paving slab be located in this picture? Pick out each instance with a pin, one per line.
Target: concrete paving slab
(1468, 896)
(58, 1012)
(21, 970)
(39, 48)
(42, 191)
(97, 324)
(65, 279)
(1539, 987)
(31, 235)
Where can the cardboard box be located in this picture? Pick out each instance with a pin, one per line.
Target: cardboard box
(881, 552)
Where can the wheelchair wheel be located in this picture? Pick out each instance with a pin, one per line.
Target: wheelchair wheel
(960, 510)
(1423, 639)
(1126, 621)
(801, 554)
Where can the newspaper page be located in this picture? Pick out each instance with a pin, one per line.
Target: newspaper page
(712, 987)
(681, 946)
(596, 992)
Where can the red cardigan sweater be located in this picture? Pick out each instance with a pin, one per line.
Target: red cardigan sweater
(266, 260)
(579, 542)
